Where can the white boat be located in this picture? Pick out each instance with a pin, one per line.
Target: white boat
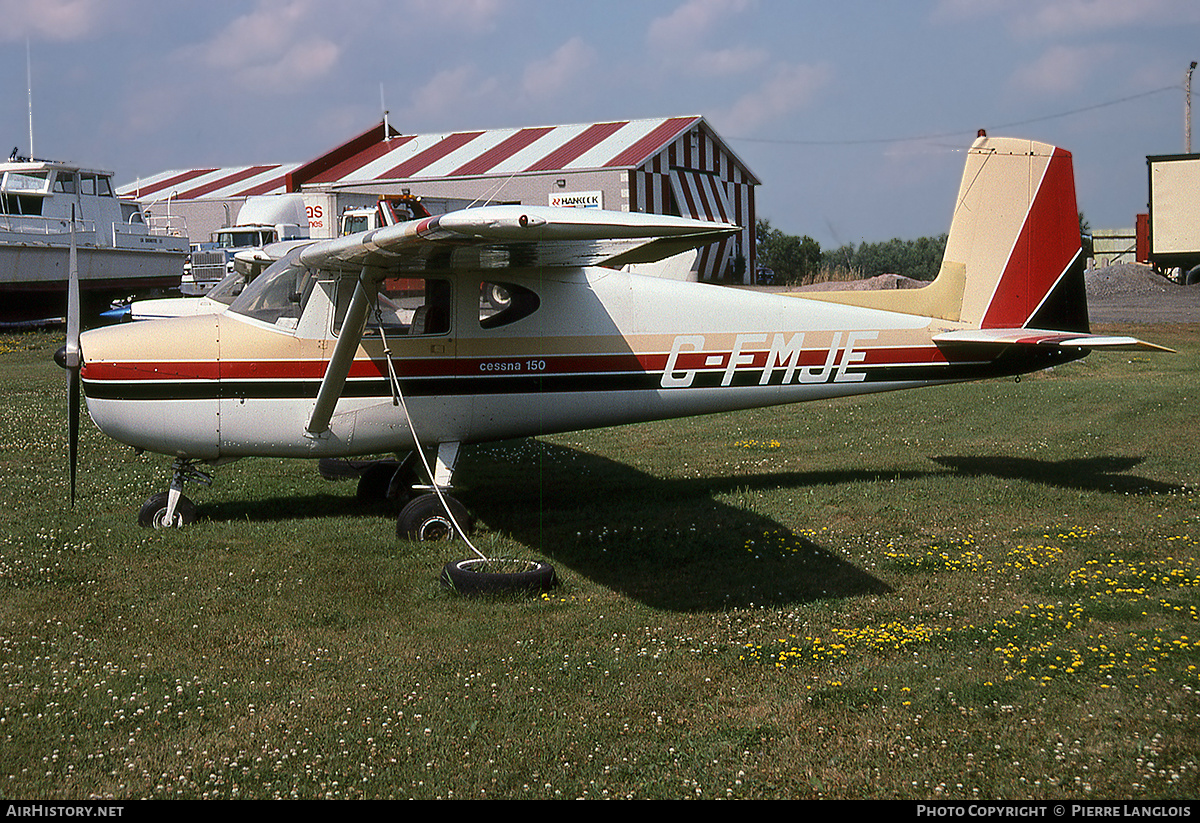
(118, 251)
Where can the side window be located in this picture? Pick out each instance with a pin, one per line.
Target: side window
(65, 182)
(404, 305)
(503, 303)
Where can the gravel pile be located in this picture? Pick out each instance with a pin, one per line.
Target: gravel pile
(883, 281)
(1126, 278)
(1129, 293)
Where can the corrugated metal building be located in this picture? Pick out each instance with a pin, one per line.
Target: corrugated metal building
(675, 165)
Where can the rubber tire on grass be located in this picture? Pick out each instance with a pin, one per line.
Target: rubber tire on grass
(461, 576)
(424, 518)
(152, 512)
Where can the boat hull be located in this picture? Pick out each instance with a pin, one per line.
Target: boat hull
(33, 276)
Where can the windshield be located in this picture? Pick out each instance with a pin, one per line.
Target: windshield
(25, 181)
(278, 294)
(228, 289)
(242, 239)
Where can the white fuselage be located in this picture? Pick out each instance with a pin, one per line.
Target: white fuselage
(602, 348)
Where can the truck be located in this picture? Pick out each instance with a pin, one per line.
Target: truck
(387, 211)
(390, 209)
(261, 220)
(1168, 236)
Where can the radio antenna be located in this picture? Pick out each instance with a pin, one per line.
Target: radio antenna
(29, 93)
(387, 132)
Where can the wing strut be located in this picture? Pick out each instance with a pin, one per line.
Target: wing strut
(343, 351)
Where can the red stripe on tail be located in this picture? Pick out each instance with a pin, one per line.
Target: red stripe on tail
(1048, 242)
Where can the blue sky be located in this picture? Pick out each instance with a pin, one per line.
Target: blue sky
(854, 114)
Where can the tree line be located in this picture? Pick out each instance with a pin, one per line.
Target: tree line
(799, 261)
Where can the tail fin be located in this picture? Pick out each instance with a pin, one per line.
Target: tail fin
(1014, 253)
(1016, 234)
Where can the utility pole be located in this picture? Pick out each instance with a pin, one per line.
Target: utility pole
(1187, 109)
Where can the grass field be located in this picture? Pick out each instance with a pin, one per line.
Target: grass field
(985, 591)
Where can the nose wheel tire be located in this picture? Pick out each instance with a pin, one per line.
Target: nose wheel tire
(153, 513)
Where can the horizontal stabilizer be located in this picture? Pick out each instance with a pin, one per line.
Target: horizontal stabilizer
(1042, 337)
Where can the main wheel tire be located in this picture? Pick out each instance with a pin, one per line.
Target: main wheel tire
(373, 482)
(498, 296)
(478, 576)
(154, 512)
(424, 518)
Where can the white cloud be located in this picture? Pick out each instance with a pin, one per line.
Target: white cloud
(272, 48)
(677, 40)
(725, 62)
(1065, 17)
(465, 15)
(546, 78)
(1049, 18)
(691, 21)
(1061, 69)
(450, 92)
(788, 89)
(51, 19)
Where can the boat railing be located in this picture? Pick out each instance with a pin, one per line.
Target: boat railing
(172, 225)
(36, 224)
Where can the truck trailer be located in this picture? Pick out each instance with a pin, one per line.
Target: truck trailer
(1168, 236)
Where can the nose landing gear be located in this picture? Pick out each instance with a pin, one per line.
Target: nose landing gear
(171, 509)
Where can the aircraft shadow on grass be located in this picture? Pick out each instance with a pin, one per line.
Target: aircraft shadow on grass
(673, 543)
(681, 543)
(1100, 474)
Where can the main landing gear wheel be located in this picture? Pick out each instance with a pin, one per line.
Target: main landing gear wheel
(425, 518)
(498, 576)
(390, 480)
(154, 512)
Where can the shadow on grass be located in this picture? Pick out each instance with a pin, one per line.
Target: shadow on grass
(667, 543)
(1101, 474)
(273, 509)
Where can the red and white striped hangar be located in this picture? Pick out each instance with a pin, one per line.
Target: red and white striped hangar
(671, 165)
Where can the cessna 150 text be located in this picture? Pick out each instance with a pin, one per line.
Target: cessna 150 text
(393, 340)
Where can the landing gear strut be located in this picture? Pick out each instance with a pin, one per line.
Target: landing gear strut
(171, 509)
(433, 514)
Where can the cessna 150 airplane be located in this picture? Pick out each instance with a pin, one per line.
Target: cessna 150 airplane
(385, 341)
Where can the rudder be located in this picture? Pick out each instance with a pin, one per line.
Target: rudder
(1016, 233)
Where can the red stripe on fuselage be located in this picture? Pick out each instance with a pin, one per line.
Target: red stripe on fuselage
(598, 364)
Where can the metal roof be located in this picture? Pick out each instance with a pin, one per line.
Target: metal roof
(190, 184)
(621, 144)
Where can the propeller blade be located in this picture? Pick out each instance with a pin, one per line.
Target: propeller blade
(72, 357)
(73, 424)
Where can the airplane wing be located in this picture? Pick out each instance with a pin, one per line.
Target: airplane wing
(515, 236)
(489, 237)
(1039, 337)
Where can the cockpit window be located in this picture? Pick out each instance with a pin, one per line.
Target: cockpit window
(403, 305)
(277, 295)
(503, 303)
(228, 289)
